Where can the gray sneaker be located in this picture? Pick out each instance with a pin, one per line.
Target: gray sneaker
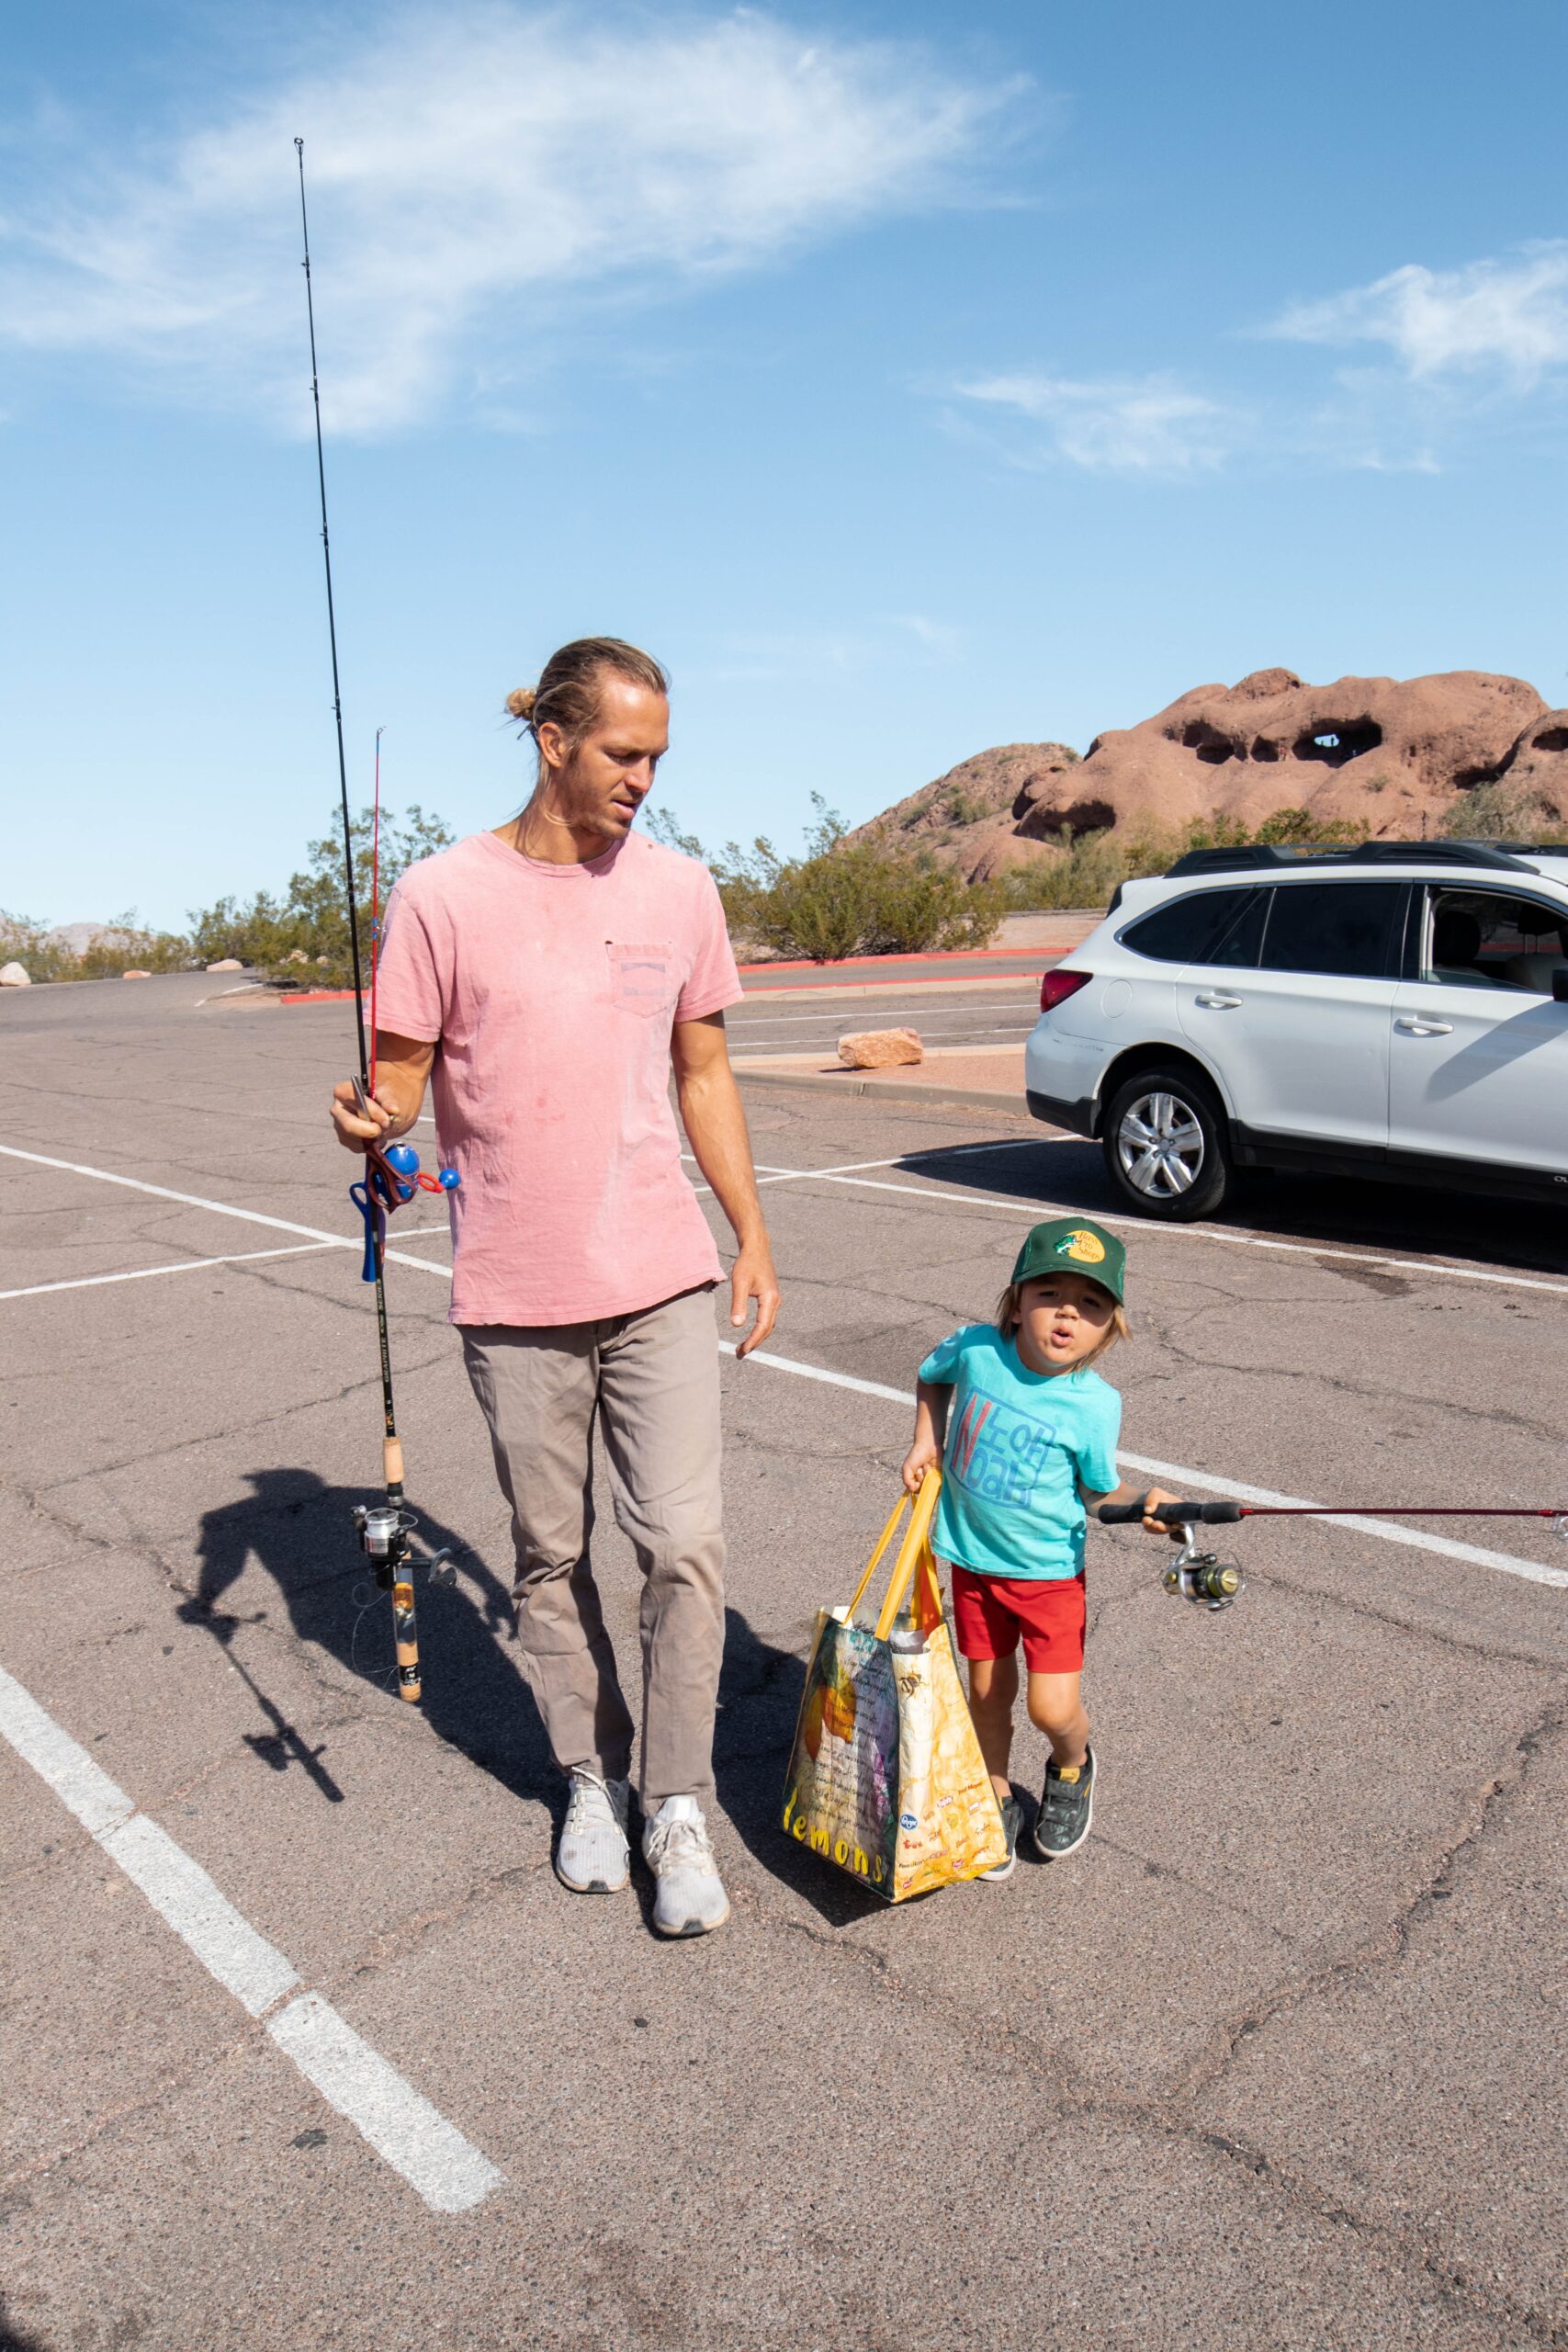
(1012, 1823)
(592, 1856)
(1067, 1808)
(690, 1897)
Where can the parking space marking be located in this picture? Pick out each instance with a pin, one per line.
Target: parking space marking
(219, 1208)
(180, 1266)
(403, 2127)
(1036, 1209)
(1533, 1571)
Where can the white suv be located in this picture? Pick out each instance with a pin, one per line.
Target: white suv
(1396, 1010)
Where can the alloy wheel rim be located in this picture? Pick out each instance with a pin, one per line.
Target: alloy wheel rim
(1160, 1145)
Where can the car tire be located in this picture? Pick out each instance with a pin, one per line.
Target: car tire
(1167, 1145)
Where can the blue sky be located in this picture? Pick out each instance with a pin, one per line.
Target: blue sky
(910, 379)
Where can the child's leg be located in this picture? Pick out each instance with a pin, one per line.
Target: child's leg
(993, 1693)
(1057, 1708)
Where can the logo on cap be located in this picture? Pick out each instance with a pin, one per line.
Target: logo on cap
(1086, 1247)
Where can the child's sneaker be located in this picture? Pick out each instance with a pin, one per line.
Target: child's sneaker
(1067, 1808)
(1013, 1822)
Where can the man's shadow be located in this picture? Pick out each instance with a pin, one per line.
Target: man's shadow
(301, 1532)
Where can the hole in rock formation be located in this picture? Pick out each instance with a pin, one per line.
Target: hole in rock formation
(1208, 742)
(1342, 739)
(1040, 820)
(1466, 779)
(1551, 739)
(1267, 749)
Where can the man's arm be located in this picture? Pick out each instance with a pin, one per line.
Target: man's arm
(402, 1066)
(716, 1126)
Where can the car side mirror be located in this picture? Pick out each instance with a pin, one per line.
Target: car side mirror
(1559, 986)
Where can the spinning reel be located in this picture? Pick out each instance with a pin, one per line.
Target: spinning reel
(1202, 1578)
(384, 1532)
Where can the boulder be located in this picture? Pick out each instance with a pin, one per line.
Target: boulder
(297, 955)
(227, 964)
(15, 975)
(880, 1048)
(1538, 764)
(136, 976)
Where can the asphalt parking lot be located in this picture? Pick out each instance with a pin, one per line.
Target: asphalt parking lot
(306, 2045)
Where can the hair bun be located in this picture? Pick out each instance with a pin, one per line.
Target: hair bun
(521, 702)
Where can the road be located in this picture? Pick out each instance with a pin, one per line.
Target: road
(307, 2046)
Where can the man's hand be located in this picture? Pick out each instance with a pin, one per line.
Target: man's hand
(752, 1277)
(353, 1129)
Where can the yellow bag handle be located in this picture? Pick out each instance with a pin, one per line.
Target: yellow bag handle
(911, 1551)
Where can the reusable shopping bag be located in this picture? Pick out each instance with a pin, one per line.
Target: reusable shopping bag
(886, 1779)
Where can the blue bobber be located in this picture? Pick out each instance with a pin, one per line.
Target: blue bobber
(403, 1158)
(448, 1179)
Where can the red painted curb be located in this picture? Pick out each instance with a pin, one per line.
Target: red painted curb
(318, 996)
(874, 963)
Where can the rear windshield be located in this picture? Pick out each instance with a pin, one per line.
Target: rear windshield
(1188, 929)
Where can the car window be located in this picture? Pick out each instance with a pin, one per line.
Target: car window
(1237, 951)
(1188, 929)
(1341, 928)
(1483, 939)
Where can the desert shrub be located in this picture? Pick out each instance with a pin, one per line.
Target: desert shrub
(1503, 812)
(121, 946)
(1090, 866)
(841, 898)
(304, 935)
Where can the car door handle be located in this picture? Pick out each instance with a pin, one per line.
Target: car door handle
(1415, 1028)
(1213, 1002)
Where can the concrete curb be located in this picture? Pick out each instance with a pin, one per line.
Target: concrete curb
(891, 1090)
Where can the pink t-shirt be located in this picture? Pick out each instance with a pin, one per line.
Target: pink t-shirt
(552, 990)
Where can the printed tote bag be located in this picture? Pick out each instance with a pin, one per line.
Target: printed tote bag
(886, 1779)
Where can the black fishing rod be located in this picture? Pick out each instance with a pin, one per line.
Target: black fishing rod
(384, 1527)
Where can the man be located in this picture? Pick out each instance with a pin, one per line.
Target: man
(549, 973)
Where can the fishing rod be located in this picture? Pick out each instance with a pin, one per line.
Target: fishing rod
(1212, 1583)
(392, 1175)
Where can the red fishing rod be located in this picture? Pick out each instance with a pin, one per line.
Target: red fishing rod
(391, 1176)
(1214, 1583)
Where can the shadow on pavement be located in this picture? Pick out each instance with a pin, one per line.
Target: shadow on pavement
(759, 1698)
(300, 1531)
(1334, 1210)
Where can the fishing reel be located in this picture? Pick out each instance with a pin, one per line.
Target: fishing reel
(384, 1532)
(1202, 1577)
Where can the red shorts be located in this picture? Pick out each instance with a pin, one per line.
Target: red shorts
(990, 1612)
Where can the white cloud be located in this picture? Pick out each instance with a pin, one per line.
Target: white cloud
(470, 173)
(1113, 424)
(1511, 315)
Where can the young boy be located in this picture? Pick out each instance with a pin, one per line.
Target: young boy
(1033, 1438)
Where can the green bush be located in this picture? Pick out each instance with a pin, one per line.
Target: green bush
(121, 946)
(304, 937)
(1503, 812)
(841, 899)
(1091, 864)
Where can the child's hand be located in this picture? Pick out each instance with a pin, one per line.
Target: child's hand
(1157, 1526)
(923, 1455)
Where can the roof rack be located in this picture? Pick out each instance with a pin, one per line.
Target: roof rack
(1257, 855)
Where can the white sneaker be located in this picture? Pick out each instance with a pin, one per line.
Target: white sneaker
(691, 1897)
(592, 1856)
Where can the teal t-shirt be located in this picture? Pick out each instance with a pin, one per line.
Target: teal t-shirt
(1018, 1443)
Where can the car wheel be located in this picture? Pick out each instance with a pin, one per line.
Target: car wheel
(1166, 1145)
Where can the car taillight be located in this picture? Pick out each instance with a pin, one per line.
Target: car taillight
(1057, 985)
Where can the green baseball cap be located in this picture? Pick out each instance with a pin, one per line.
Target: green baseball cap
(1079, 1245)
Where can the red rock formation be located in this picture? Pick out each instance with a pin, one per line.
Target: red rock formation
(1394, 753)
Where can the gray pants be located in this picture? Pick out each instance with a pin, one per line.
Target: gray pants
(654, 1378)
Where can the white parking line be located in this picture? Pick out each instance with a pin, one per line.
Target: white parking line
(403, 2127)
(181, 1266)
(1035, 1210)
(1208, 1481)
(219, 1208)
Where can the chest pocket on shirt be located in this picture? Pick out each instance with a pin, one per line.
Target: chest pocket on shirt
(642, 979)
